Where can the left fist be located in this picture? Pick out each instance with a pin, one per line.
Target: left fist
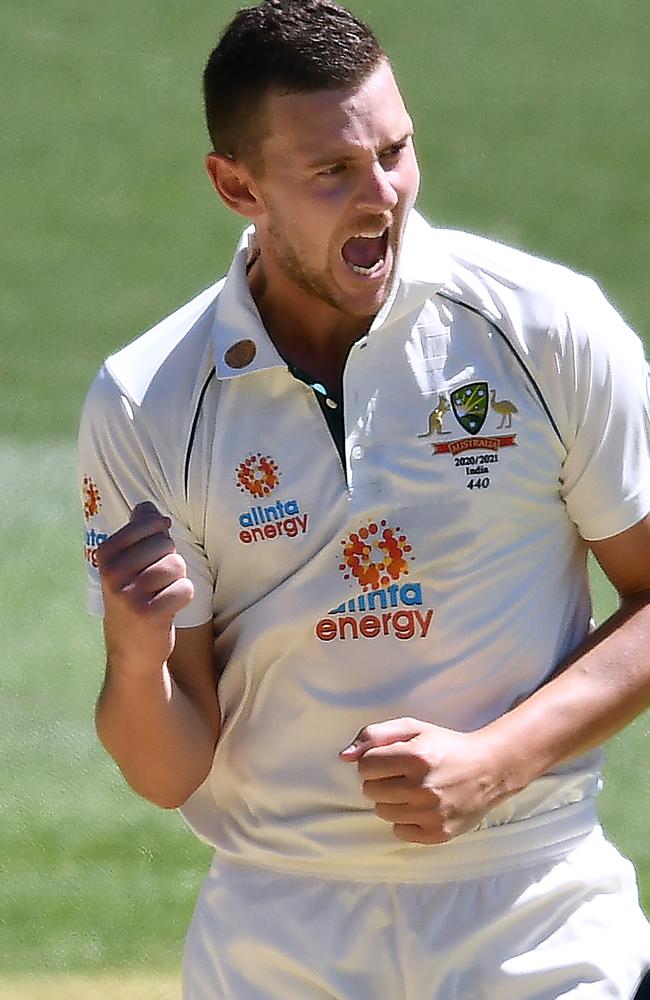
(431, 784)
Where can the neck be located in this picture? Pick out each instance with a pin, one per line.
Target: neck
(309, 333)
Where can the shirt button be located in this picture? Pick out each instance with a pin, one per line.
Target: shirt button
(357, 452)
(241, 354)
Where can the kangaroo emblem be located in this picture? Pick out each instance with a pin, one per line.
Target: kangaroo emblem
(436, 418)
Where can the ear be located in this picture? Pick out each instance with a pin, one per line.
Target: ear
(234, 185)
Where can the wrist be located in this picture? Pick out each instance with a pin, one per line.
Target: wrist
(513, 759)
(134, 688)
(130, 671)
(138, 653)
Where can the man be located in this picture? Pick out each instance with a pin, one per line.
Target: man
(349, 490)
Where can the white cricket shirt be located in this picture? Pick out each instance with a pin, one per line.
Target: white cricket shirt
(495, 416)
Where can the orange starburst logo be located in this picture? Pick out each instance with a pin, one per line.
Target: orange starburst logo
(92, 499)
(375, 556)
(258, 475)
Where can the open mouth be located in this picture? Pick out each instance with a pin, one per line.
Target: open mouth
(365, 253)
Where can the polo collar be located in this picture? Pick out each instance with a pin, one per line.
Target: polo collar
(423, 268)
(242, 344)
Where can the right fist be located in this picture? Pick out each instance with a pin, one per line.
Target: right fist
(143, 578)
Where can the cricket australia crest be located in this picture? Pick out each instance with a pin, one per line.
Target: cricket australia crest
(470, 405)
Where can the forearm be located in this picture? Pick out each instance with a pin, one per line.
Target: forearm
(156, 733)
(158, 713)
(598, 691)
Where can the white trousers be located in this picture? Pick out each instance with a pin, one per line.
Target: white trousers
(569, 928)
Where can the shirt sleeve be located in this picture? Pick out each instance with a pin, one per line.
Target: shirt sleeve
(606, 474)
(119, 466)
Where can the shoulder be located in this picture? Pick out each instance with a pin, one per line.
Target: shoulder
(510, 279)
(143, 397)
(548, 308)
(168, 354)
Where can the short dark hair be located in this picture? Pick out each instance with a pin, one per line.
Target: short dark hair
(286, 47)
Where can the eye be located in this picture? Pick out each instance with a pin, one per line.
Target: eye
(332, 170)
(390, 156)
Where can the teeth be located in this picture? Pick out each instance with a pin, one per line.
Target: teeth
(370, 235)
(366, 271)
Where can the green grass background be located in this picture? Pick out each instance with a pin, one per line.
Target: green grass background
(532, 126)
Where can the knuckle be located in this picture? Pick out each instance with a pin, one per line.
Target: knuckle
(176, 564)
(136, 593)
(176, 594)
(420, 759)
(435, 831)
(440, 837)
(104, 554)
(166, 543)
(109, 575)
(365, 764)
(387, 812)
(426, 797)
(183, 590)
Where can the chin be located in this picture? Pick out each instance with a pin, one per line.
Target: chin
(370, 303)
(366, 308)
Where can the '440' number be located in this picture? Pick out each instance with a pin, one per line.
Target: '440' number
(478, 483)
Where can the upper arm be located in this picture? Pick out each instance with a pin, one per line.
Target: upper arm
(625, 558)
(192, 667)
(120, 465)
(605, 479)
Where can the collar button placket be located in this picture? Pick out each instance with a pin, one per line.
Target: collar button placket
(358, 423)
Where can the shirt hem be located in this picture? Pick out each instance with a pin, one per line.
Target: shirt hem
(483, 853)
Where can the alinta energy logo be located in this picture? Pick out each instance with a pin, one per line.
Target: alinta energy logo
(258, 475)
(92, 503)
(92, 498)
(377, 558)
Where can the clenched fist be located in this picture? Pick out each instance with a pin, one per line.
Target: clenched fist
(430, 783)
(144, 584)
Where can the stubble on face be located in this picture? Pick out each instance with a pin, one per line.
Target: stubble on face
(308, 217)
(319, 283)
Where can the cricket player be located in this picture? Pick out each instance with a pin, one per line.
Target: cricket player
(338, 509)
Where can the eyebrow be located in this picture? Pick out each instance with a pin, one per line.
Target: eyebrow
(349, 157)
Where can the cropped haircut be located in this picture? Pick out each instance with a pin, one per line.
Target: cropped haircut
(283, 47)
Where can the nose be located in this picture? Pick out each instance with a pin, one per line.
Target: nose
(376, 191)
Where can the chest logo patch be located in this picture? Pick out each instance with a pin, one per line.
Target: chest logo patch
(259, 476)
(476, 409)
(92, 498)
(470, 406)
(377, 558)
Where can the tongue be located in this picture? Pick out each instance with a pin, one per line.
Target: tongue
(363, 252)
